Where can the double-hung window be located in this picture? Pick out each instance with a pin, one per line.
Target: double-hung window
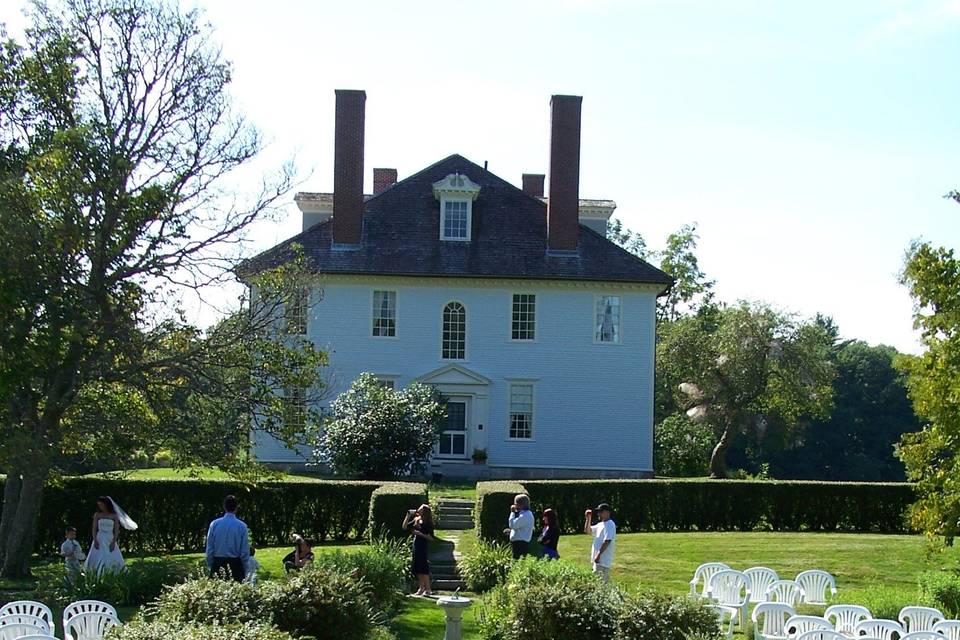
(456, 220)
(295, 311)
(295, 407)
(454, 342)
(385, 313)
(456, 194)
(521, 411)
(607, 320)
(523, 317)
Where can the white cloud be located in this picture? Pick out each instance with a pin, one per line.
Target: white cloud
(919, 19)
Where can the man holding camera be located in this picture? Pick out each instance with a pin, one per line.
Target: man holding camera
(520, 526)
(604, 539)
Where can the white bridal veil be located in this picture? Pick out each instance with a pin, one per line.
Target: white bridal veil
(125, 521)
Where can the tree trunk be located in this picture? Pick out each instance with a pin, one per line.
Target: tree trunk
(11, 498)
(718, 460)
(19, 543)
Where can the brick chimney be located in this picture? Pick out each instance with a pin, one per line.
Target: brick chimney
(533, 184)
(563, 206)
(383, 179)
(348, 166)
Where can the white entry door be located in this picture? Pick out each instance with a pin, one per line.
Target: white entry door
(453, 437)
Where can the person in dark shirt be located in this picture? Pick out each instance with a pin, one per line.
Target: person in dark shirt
(420, 523)
(550, 535)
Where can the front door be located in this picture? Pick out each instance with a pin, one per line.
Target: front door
(453, 437)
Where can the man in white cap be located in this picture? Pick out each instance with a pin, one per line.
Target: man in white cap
(604, 539)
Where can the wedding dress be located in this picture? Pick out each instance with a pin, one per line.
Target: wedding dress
(104, 560)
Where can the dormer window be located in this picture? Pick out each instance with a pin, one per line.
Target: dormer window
(456, 194)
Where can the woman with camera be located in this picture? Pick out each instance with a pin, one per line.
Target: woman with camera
(420, 523)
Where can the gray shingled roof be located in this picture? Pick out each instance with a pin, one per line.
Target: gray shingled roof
(509, 238)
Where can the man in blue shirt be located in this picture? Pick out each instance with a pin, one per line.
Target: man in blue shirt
(228, 548)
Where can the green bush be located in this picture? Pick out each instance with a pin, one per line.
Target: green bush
(389, 503)
(882, 601)
(941, 588)
(384, 568)
(140, 583)
(682, 447)
(174, 514)
(545, 600)
(486, 566)
(656, 616)
(142, 630)
(207, 601)
(327, 605)
(493, 508)
(717, 505)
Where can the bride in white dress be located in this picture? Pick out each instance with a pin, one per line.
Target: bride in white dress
(104, 553)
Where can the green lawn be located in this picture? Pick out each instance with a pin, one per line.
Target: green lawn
(666, 561)
(179, 474)
(453, 489)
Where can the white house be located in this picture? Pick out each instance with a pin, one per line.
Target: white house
(538, 330)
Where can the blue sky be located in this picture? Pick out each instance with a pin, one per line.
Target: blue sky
(810, 141)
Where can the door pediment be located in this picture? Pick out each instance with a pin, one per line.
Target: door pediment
(453, 374)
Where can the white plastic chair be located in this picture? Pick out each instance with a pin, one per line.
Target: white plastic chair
(822, 634)
(846, 617)
(726, 617)
(923, 635)
(774, 616)
(35, 637)
(948, 628)
(17, 630)
(759, 580)
(879, 628)
(728, 588)
(30, 608)
(703, 574)
(89, 626)
(916, 619)
(798, 625)
(25, 618)
(85, 606)
(814, 584)
(785, 591)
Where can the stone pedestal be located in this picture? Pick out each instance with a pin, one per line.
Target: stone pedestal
(453, 607)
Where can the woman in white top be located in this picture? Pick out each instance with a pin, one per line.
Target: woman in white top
(104, 555)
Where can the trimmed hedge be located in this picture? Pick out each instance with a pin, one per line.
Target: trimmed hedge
(713, 505)
(174, 514)
(493, 508)
(388, 505)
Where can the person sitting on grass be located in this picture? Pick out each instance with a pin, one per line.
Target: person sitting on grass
(550, 536)
(301, 556)
(253, 565)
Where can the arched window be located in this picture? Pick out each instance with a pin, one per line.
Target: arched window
(454, 345)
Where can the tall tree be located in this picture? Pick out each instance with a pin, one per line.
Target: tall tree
(755, 371)
(678, 259)
(932, 456)
(117, 140)
(871, 412)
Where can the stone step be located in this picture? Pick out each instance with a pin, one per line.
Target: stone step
(448, 585)
(455, 502)
(450, 521)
